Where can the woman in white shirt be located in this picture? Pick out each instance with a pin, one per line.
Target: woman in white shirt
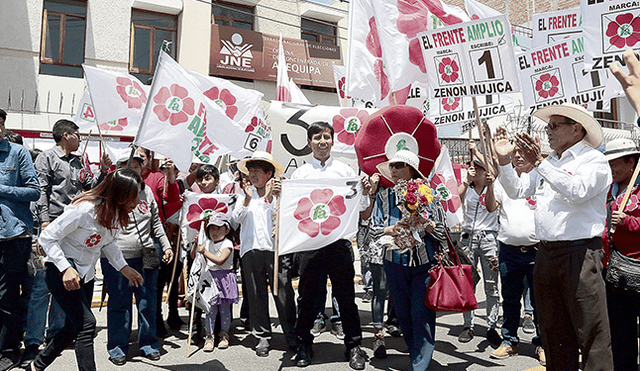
(73, 243)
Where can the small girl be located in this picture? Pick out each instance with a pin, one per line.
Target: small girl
(218, 250)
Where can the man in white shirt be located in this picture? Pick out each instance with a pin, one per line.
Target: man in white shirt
(570, 186)
(334, 260)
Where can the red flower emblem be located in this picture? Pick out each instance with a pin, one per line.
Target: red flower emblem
(450, 104)
(547, 85)
(82, 175)
(481, 199)
(413, 17)
(116, 125)
(632, 204)
(252, 125)
(224, 99)
(203, 209)
(342, 87)
(143, 206)
(131, 92)
(448, 69)
(93, 240)
(450, 201)
(319, 212)
(173, 104)
(347, 124)
(532, 202)
(374, 47)
(625, 30)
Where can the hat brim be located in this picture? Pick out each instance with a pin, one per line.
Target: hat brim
(242, 165)
(618, 154)
(594, 130)
(385, 170)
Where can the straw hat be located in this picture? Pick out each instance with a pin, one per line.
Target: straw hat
(580, 115)
(405, 156)
(619, 148)
(261, 156)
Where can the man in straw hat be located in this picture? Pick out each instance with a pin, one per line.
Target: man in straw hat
(334, 260)
(570, 186)
(255, 214)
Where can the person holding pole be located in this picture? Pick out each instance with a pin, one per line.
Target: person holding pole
(255, 215)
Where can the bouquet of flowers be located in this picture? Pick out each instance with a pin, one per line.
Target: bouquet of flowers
(415, 200)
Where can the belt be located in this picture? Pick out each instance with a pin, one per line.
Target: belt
(567, 243)
(523, 249)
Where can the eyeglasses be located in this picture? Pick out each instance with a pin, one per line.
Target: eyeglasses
(554, 125)
(397, 165)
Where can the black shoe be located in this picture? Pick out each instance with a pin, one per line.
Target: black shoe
(30, 353)
(153, 356)
(493, 337)
(305, 353)
(337, 330)
(357, 358)
(118, 361)
(379, 346)
(394, 331)
(175, 324)
(262, 349)
(466, 335)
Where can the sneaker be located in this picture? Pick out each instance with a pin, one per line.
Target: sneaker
(337, 330)
(319, 326)
(262, 349)
(504, 351)
(527, 324)
(379, 347)
(209, 343)
(357, 358)
(224, 340)
(493, 337)
(541, 357)
(394, 331)
(466, 335)
(368, 296)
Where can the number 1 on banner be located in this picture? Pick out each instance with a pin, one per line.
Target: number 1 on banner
(486, 64)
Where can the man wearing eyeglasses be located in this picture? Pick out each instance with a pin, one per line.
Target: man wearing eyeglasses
(570, 186)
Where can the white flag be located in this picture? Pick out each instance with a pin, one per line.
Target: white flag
(317, 212)
(200, 285)
(259, 133)
(296, 94)
(198, 207)
(282, 79)
(85, 115)
(444, 182)
(180, 121)
(118, 99)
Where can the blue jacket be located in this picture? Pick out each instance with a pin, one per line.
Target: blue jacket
(19, 186)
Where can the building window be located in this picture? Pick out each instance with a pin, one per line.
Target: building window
(62, 44)
(318, 31)
(148, 31)
(232, 15)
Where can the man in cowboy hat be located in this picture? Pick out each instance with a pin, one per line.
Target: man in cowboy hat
(257, 250)
(570, 186)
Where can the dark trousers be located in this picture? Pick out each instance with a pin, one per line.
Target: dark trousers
(333, 261)
(624, 310)
(80, 324)
(164, 278)
(13, 268)
(571, 303)
(258, 267)
(515, 266)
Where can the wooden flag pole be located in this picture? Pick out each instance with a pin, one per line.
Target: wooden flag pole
(193, 304)
(84, 150)
(276, 259)
(492, 149)
(484, 161)
(627, 192)
(176, 257)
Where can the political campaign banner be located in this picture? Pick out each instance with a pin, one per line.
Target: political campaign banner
(317, 212)
(554, 74)
(200, 286)
(444, 111)
(470, 59)
(609, 28)
(552, 27)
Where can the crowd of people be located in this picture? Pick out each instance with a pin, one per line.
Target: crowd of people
(538, 229)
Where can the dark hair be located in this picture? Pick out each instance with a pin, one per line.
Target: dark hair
(3, 114)
(13, 137)
(146, 151)
(61, 127)
(117, 190)
(628, 158)
(229, 234)
(208, 169)
(264, 165)
(34, 154)
(318, 127)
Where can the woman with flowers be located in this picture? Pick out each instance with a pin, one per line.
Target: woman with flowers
(406, 226)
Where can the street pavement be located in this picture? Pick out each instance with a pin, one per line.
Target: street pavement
(329, 351)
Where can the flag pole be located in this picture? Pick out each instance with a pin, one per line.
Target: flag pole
(195, 292)
(484, 161)
(176, 256)
(276, 259)
(84, 150)
(627, 193)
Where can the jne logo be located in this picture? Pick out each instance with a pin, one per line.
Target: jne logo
(236, 52)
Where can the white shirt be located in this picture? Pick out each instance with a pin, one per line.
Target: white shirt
(571, 192)
(216, 249)
(332, 169)
(256, 221)
(77, 235)
(517, 221)
(476, 215)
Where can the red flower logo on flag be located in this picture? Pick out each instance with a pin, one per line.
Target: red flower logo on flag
(93, 240)
(450, 201)
(448, 69)
(115, 125)
(631, 205)
(532, 202)
(347, 124)
(224, 99)
(450, 104)
(624, 30)
(413, 17)
(319, 212)
(481, 200)
(173, 104)
(374, 47)
(131, 92)
(143, 206)
(547, 85)
(203, 209)
(342, 87)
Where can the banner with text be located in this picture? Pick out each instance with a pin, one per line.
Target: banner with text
(444, 111)
(552, 27)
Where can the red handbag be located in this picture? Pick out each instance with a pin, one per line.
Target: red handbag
(451, 288)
